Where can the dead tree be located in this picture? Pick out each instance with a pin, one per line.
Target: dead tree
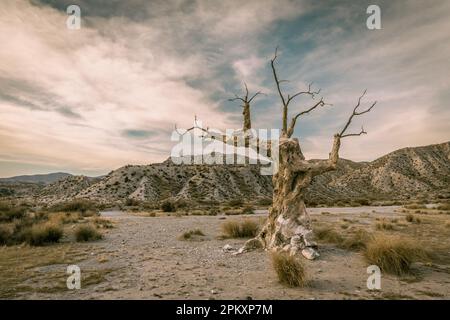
(246, 100)
(288, 226)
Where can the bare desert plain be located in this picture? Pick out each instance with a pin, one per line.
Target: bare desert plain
(144, 255)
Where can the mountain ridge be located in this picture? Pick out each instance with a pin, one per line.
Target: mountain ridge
(401, 174)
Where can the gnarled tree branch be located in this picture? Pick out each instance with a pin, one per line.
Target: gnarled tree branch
(287, 132)
(356, 113)
(246, 105)
(291, 128)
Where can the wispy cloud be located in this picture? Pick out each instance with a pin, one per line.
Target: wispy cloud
(109, 94)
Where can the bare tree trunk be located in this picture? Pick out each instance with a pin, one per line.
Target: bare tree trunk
(288, 226)
(246, 113)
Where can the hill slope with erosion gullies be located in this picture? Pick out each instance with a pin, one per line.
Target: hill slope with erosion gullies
(402, 174)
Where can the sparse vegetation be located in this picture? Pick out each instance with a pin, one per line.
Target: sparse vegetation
(413, 219)
(290, 270)
(384, 225)
(87, 232)
(356, 241)
(328, 235)
(393, 254)
(445, 207)
(42, 234)
(236, 203)
(240, 229)
(414, 206)
(102, 223)
(85, 207)
(189, 234)
(9, 211)
(168, 206)
(5, 234)
(248, 210)
(265, 202)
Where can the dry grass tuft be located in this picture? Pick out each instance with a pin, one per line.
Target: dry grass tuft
(240, 229)
(393, 254)
(103, 223)
(415, 206)
(444, 206)
(413, 219)
(42, 234)
(357, 240)
(384, 225)
(328, 235)
(290, 271)
(87, 233)
(188, 234)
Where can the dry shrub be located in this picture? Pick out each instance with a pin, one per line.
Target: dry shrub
(328, 235)
(232, 212)
(42, 234)
(87, 233)
(357, 240)
(5, 234)
(444, 206)
(384, 225)
(188, 234)
(168, 206)
(240, 229)
(85, 207)
(103, 223)
(290, 270)
(248, 210)
(393, 254)
(413, 219)
(415, 206)
(10, 211)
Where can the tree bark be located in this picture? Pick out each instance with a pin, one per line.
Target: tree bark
(288, 227)
(247, 119)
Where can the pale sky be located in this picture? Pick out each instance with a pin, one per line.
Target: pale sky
(91, 100)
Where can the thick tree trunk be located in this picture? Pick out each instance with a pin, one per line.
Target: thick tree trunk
(288, 226)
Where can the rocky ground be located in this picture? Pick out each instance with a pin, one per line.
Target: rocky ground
(142, 258)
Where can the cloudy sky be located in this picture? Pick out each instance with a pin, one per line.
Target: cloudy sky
(91, 100)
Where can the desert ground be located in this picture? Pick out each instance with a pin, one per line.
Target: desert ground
(143, 257)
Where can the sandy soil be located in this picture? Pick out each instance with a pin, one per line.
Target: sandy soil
(143, 259)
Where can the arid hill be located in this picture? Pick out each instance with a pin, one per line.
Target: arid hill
(405, 173)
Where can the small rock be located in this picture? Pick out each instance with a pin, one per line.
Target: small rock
(213, 291)
(227, 248)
